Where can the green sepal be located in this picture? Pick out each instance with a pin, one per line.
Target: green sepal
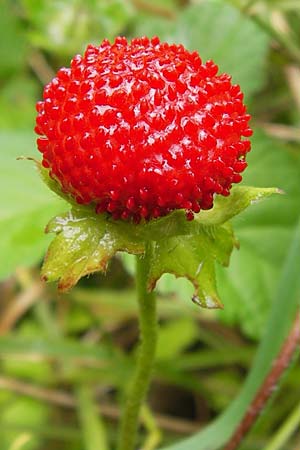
(86, 241)
(194, 257)
(84, 244)
(53, 185)
(175, 223)
(191, 249)
(225, 208)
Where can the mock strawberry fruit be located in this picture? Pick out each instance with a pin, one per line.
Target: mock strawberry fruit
(140, 129)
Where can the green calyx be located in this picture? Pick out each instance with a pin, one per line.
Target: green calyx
(86, 241)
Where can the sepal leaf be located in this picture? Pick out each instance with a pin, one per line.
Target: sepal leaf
(84, 244)
(174, 224)
(225, 208)
(52, 184)
(86, 241)
(194, 257)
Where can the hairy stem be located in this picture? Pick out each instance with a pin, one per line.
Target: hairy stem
(269, 385)
(141, 378)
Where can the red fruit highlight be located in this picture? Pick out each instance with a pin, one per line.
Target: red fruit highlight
(140, 129)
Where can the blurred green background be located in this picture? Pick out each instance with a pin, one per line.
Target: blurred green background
(62, 356)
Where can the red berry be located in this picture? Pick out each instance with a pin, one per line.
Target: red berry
(140, 129)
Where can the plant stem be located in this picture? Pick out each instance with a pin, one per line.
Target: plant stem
(268, 387)
(148, 337)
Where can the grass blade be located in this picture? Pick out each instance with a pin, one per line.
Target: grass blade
(93, 430)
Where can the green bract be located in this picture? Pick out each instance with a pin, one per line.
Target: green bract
(85, 242)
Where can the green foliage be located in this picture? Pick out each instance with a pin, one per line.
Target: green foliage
(25, 205)
(264, 233)
(67, 26)
(18, 91)
(17, 99)
(12, 46)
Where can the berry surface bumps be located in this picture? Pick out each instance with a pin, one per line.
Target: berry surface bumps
(140, 129)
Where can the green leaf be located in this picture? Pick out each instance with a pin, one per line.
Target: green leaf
(13, 47)
(265, 231)
(67, 26)
(84, 244)
(26, 204)
(219, 32)
(246, 289)
(194, 257)
(17, 98)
